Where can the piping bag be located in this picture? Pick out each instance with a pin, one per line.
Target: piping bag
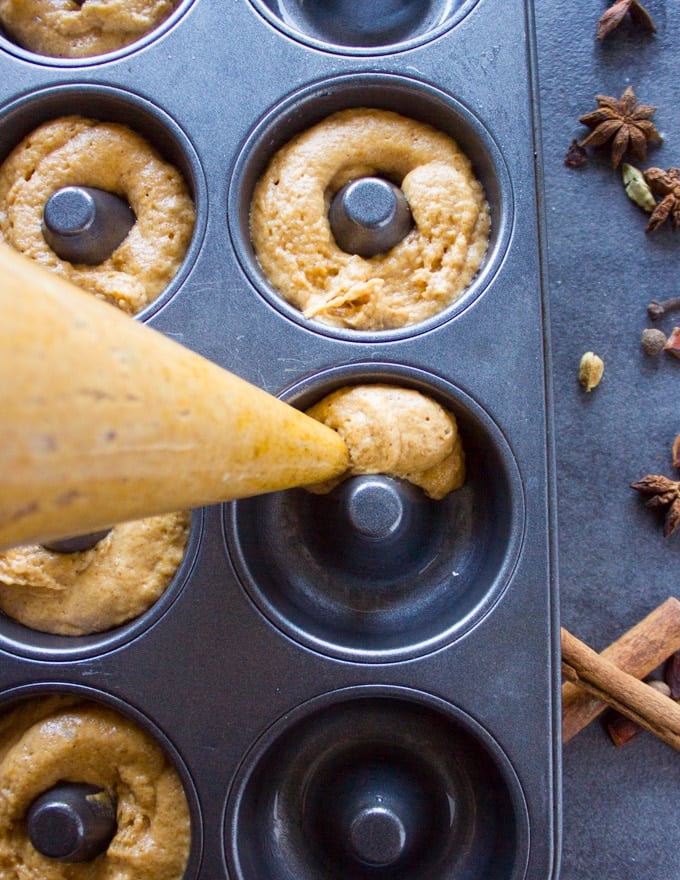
(106, 420)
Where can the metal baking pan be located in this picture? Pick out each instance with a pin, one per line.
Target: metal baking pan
(297, 681)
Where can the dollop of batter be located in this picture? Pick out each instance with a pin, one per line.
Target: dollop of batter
(417, 278)
(74, 151)
(69, 29)
(395, 431)
(94, 590)
(61, 738)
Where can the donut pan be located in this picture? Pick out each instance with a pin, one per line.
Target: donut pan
(363, 684)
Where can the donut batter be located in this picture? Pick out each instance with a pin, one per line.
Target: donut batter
(74, 151)
(68, 29)
(418, 277)
(94, 590)
(395, 431)
(51, 739)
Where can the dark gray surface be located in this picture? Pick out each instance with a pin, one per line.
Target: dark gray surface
(621, 806)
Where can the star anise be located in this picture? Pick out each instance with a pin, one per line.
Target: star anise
(662, 492)
(623, 121)
(614, 15)
(666, 185)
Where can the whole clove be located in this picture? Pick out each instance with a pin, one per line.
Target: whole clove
(657, 310)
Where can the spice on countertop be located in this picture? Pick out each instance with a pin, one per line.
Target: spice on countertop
(636, 187)
(666, 185)
(672, 345)
(622, 729)
(671, 675)
(594, 673)
(661, 492)
(590, 370)
(639, 651)
(661, 686)
(624, 122)
(614, 15)
(653, 341)
(576, 155)
(675, 452)
(657, 310)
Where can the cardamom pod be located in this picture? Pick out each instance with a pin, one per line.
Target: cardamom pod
(590, 370)
(636, 187)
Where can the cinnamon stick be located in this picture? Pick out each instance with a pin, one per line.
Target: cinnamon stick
(637, 701)
(637, 652)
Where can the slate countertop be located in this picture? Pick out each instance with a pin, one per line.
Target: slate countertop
(621, 806)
